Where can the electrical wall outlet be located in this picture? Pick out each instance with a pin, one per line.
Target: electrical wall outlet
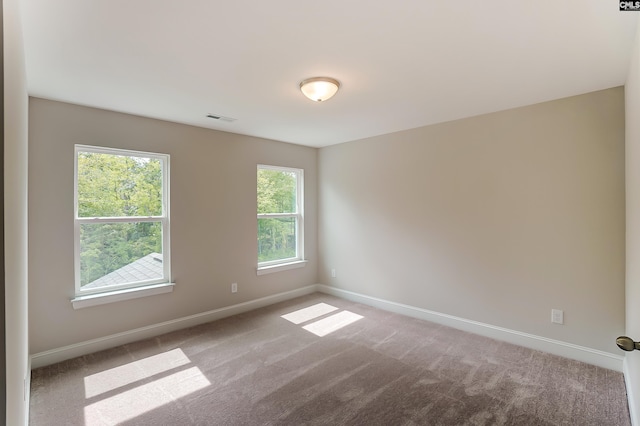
(557, 316)
(234, 287)
(333, 273)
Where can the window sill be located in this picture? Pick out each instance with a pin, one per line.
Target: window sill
(118, 295)
(262, 270)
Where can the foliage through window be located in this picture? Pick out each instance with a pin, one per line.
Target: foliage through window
(121, 223)
(280, 218)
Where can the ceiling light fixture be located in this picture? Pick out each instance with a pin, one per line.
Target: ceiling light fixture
(319, 89)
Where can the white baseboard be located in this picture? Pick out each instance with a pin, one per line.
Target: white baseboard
(556, 347)
(634, 404)
(83, 348)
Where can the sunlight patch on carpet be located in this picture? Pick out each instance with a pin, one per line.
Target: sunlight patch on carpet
(309, 313)
(334, 322)
(137, 401)
(114, 378)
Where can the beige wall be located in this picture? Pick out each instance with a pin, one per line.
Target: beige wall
(15, 214)
(497, 218)
(632, 108)
(213, 222)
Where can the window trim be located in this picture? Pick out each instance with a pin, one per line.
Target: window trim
(263, 270)
(127, 288)
(95, 299)
(290, 262)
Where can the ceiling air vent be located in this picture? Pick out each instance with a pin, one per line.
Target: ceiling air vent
(221, 118)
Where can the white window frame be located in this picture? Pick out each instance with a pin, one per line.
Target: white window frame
(298, 260)
(92, 296)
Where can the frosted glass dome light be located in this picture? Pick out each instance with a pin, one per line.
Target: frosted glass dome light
(319, 89)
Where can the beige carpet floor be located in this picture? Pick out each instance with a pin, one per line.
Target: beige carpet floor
(320, 360)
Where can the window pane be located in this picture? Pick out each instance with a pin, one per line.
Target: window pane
(276, 191)
(116, 185)
(276, 239)
(120, 253)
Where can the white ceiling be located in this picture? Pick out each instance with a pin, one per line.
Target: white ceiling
(402, 64)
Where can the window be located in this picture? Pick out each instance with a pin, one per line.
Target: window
(280, 218)
(121, 220)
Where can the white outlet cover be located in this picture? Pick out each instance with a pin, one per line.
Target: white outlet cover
(557, 316)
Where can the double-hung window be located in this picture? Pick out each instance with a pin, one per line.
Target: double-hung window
(121, 221)
(280, 218)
